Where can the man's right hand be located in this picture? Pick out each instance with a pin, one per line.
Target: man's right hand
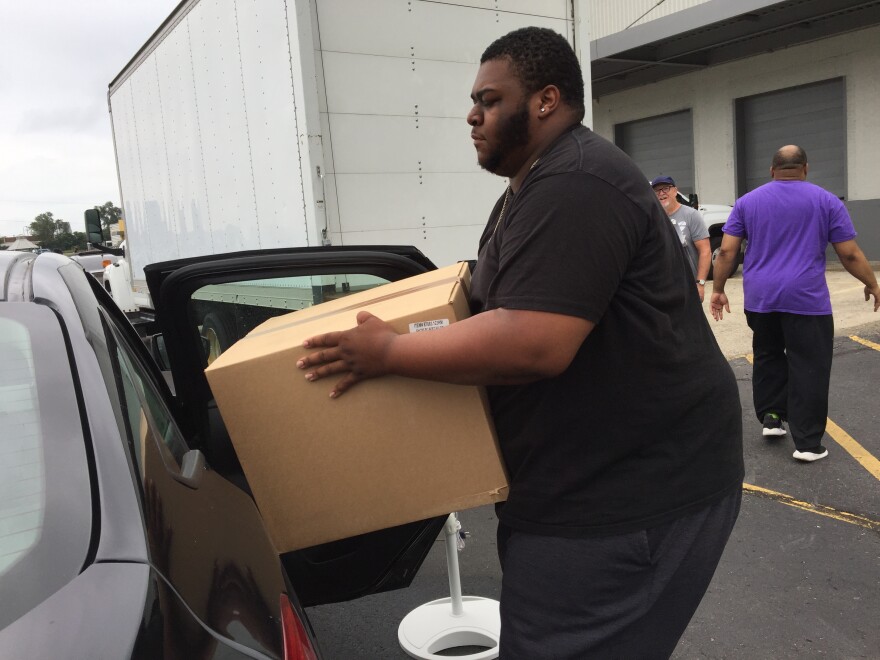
(719, 304)
(356, 354)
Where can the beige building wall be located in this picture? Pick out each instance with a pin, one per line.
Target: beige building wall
(711, 94)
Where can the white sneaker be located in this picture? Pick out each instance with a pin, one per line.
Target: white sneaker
(810, 456)
(773, 426)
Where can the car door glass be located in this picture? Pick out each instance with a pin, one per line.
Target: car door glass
(145, 408)
(224, 313)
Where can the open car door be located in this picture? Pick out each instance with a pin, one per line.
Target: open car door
(203, 305)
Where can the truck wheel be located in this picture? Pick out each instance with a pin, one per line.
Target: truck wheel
(217, 334)
(712, 264)
(714, 245)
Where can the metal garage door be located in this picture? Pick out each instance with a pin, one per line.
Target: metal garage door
(811, 116)
(661, 145)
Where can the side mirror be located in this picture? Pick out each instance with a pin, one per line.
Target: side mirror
(95, 235)
(192, 467)
(693, 200)
(156, 346)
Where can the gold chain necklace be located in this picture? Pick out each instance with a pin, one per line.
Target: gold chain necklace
(504, 204)
(501, 215)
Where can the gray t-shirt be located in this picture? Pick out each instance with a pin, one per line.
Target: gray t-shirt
(690, 227)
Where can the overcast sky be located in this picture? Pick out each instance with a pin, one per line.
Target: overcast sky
(57, 58)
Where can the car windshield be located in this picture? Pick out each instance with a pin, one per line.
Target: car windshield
(45, 491)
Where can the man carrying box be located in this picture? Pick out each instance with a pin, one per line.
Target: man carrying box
(617, 415)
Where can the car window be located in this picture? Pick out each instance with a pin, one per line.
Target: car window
(45, 488)
(224, 313)
(144, 408)
(21, 465)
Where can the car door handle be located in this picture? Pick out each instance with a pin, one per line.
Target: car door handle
(192, 467)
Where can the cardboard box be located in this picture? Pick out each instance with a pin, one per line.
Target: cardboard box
(391, 450)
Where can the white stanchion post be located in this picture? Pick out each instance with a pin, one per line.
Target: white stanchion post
(452, 622)
(451, 529)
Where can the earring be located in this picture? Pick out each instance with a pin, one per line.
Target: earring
(542, 109)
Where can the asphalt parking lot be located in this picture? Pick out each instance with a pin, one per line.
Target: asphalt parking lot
(801, 574)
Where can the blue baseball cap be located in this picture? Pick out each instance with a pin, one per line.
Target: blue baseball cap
(663, 179)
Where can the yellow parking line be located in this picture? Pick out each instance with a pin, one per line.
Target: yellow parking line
(820, 509)
(854, 449)
(865, 342)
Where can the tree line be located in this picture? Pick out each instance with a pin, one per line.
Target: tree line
(55, 234)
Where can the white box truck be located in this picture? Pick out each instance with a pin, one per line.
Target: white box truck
(257, 124)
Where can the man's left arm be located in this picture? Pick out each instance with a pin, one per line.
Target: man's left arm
(853, 259)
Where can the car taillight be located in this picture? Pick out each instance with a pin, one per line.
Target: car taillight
(297, 645)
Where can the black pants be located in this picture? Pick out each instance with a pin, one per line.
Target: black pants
(792, 371)
(626, 596)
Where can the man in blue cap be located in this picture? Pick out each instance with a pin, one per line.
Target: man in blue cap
(691, 229)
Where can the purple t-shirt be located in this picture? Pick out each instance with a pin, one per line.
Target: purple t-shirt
(789, 225)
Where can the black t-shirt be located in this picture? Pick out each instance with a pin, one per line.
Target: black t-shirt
(645, 424)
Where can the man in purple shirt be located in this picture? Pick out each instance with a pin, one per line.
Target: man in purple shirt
(789, 223)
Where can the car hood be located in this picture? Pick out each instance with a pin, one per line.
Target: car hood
(715, 213)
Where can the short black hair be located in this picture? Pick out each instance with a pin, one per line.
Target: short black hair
(789, 159)
(541, 57)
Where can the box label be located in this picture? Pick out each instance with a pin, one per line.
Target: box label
(424, 326)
